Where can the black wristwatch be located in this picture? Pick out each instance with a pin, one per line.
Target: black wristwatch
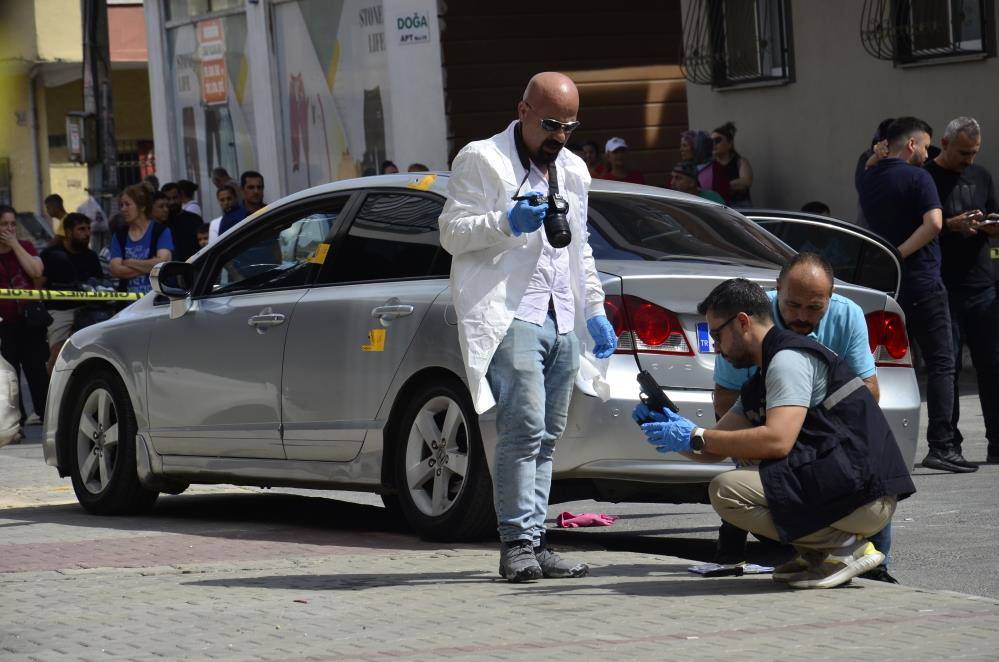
(697, 440)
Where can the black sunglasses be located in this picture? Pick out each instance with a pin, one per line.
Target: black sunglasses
(716, 332)
(554, 126)
(717, 140)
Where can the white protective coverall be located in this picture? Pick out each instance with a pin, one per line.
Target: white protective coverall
(491, 267)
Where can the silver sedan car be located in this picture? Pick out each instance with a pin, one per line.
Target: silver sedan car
(315, 345)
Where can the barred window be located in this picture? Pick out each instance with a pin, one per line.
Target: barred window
(912, 31)
(737, 42)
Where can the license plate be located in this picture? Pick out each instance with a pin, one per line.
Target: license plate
(704, 342)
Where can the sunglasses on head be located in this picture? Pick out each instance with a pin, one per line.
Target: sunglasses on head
(553, 126)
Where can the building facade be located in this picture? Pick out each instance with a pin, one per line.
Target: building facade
(807, 103)
(41, 56)
(302, 91)
(309, 91)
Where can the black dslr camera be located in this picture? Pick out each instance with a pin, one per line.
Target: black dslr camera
(556, 223)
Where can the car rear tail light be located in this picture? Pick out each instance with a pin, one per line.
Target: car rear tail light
(888, 340)
(642, 326)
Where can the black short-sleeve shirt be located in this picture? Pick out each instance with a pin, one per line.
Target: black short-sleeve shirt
(894, 197)
(65, 270)
(967, 263)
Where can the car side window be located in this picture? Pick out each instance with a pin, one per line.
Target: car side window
(842, 250)
(393, 236)
(878, 269)
(288, 253)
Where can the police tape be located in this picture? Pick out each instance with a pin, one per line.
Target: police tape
(67, 295)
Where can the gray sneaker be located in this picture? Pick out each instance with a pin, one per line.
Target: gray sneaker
(554, 566)
(517, 562)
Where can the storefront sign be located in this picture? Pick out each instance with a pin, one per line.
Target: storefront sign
(211, 52)
(413, 28)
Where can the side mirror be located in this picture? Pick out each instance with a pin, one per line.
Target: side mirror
(174, 280)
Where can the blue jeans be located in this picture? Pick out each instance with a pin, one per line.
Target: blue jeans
(882, 541)
(531, 377)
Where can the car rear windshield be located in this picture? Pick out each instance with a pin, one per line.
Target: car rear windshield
(637, 227)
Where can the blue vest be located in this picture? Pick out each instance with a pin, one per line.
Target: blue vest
(845, 456)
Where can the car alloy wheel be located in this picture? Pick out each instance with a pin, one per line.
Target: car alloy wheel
(442, 484)
(97, 440)
(437, 456)
(102, 439)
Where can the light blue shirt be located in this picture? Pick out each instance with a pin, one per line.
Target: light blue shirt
(550, 280)
(842, 329)
(795, 378)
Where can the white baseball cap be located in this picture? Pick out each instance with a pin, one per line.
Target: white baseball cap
(615, 144)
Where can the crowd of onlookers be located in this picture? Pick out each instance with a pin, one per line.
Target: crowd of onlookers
(709, 165)
(933, 202)
(940, 210)
(153, 224)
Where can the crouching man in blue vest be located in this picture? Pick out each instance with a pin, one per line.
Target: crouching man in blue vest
(819, 467)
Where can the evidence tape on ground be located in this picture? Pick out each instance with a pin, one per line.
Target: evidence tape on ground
(67, 295)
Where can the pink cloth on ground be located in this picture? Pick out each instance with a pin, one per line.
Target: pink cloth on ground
(567, 520)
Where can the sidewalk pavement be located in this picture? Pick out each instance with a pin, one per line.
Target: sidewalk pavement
(249, 576)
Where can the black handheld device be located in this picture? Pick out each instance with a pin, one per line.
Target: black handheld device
(653, 395)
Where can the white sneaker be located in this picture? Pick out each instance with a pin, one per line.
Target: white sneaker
(839, 569)
(33, 420)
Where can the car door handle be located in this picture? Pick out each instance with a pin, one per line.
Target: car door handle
(265, 320)
(391, 312)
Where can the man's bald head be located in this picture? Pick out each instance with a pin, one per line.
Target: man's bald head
(552, 91)
(804, 288)
(548, 95)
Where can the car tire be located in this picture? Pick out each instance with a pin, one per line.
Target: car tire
(102, 449)
(444, 488)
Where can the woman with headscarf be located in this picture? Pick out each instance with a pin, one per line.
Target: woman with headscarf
(696, 146)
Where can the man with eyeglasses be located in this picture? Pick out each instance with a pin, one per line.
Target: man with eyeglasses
(827, 472)
(520, 302)
(804, 302)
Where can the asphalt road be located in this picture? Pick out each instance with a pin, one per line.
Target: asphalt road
(945, 537)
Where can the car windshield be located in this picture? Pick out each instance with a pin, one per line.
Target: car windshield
(634, 227)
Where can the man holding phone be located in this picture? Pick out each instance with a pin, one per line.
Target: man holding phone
(968, 196)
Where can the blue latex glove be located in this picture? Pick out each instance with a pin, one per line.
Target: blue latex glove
(671, 435)
(642, 413)
(603, 335)
(524, 217)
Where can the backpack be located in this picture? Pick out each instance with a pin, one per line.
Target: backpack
(121, 236)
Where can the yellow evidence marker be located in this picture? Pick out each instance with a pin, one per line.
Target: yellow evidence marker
(322, 250)
(423, 183)
(376, 341)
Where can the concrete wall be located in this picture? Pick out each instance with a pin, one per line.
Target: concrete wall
(804, 139)
(58, 29)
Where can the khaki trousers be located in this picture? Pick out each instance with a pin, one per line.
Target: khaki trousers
(738, 498)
